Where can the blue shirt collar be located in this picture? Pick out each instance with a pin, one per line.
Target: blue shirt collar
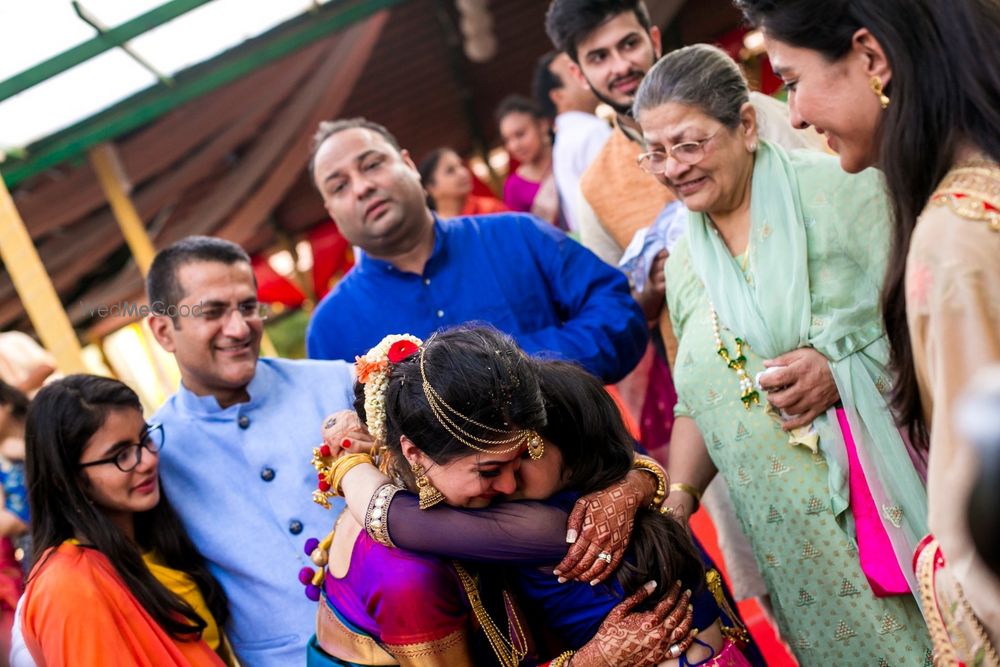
(369, 263)
(188, 401)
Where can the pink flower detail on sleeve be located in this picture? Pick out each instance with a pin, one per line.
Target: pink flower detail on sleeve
(919, 280)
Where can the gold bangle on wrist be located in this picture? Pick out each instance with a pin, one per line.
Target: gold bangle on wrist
(562, 659)
(661, 481)
(690, 490)
(342, 466)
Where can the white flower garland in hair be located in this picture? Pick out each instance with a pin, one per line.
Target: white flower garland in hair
(373, 372)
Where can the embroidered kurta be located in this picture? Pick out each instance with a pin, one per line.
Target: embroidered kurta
(953, 308)
(812, 275)
(823, 604)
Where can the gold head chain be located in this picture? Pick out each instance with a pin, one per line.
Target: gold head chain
(445, 414)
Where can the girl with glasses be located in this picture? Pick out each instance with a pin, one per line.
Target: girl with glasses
(115, 579)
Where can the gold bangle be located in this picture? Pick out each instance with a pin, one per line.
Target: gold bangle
(661, 481)
(688, 489)
(342, 466)
(562, 659)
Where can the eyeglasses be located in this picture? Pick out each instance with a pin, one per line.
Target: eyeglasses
(130, 456)
(689, 152)
(250, 311)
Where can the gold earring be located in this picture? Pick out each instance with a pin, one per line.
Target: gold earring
(876, 85)
(536, 446)
(429, 495)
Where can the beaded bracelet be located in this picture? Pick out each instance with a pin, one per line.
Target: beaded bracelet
(661, 481)
(377, 516)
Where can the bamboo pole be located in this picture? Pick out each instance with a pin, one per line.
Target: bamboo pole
(35, 289)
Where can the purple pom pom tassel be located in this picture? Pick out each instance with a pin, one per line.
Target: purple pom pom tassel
(311, 545)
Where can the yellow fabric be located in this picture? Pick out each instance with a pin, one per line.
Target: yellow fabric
(183, 586)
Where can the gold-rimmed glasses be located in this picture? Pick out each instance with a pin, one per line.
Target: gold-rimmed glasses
(688, 152)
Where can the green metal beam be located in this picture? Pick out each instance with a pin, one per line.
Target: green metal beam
(148, 105)
(96, 46)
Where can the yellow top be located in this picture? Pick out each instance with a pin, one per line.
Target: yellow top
(183, 586)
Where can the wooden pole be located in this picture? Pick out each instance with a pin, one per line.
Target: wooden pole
(117, 188)
(35, 289)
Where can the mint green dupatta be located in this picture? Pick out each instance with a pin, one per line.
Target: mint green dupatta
(817, 252)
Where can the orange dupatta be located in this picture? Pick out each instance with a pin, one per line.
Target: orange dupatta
(77, 611)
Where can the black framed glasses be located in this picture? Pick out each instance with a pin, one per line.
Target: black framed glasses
(689, 152)
(130, 456)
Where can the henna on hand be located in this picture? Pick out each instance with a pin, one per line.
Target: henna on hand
(628, 638)
(602, 522)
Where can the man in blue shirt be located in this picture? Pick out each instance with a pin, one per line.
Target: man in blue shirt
(419, 273)
(239, 435)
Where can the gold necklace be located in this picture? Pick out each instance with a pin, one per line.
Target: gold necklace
(748, 394)
(506, 652)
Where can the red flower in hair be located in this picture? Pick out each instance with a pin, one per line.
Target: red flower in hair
(400, 350)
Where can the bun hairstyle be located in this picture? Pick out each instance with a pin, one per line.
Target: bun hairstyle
(699, 76)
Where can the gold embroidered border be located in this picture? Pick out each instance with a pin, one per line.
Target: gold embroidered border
(428, 648)
(969, 634)
(339, 641)
(978, 184)
(944, 654)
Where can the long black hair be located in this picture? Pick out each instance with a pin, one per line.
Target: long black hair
(945, 90)
(62, 418)
(597, 449)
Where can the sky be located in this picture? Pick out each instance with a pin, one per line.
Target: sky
(32, 31)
